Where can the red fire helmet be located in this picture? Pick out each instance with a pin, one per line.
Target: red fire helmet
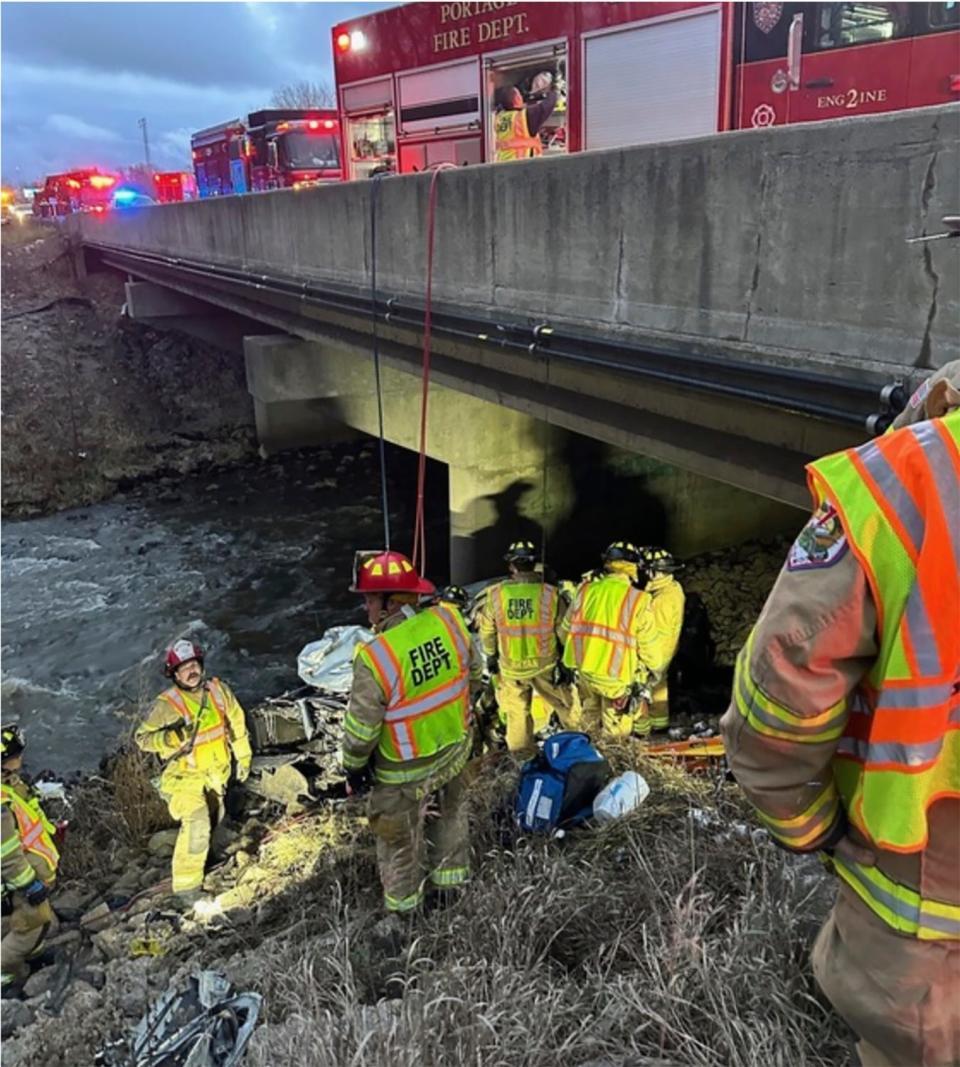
(388, 572)
(181, 652)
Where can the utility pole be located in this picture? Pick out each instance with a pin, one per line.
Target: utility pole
(142, 123)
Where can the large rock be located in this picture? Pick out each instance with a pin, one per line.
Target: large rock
(69, 903)
(98, 918)
(162, 842)
(41, 982)
(15, 1016)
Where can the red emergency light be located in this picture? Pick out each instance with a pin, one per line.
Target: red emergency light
(313, 124)
(955, 83)
(102, 181)
(343, 42)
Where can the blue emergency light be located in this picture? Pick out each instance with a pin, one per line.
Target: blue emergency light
(125, 196)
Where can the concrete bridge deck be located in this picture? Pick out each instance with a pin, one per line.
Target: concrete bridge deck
(730, 306)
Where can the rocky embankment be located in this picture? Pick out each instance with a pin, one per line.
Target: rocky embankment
(93, 402)
(734, 584)
(681, 913)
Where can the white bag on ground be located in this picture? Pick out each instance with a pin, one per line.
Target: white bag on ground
(624, 794)
(328, 663)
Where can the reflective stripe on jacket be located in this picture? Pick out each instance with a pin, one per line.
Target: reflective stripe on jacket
(210, 748)
(525, 615)
(602, 641)
(423, 669)
(898, 498)
(513, 139)
(34, 830)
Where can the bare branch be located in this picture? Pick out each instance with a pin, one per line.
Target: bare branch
(303, 94)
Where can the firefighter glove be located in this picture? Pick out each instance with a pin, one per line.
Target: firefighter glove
(493, 665)
(36, 893)
(173, 736)
(639, 697)
(243, 770)
(359, 781)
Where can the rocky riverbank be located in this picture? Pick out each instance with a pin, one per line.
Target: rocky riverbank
(677, 935)
(93, 402)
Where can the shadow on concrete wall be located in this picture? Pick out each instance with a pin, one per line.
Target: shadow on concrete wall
(608, 505)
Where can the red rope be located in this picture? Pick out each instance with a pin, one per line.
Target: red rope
(419, 557)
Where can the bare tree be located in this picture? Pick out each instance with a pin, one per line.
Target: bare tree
(304, 94)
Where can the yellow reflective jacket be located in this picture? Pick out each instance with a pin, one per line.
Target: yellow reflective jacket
(518, 624)
(512, 136)
(666, 605)
(409, 707)
(28, 848)
(609, 635)
(220, 730)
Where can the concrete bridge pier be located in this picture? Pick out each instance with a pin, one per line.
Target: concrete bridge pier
(508, 475)
(511, 474)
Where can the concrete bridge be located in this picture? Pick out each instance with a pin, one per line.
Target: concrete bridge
(713, 313)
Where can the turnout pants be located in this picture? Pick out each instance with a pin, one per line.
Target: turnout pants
(419, 837)
(900, 995)
(24, 932)
(660, 706)
(515, 696)
(599, 715)
(197, 804)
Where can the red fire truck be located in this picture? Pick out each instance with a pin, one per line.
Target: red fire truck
(172, 186)
(273, 148)
(418, 85)
(77, 190)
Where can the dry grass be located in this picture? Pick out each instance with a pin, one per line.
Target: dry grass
(651, 941)
(120, 809)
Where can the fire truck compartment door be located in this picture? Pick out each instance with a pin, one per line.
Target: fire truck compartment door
(371, 96)
(658, 82)
(237, 176)
(440, 98)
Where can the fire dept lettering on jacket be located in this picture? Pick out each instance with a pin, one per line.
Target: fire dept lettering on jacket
(520, 609)
(428, 660)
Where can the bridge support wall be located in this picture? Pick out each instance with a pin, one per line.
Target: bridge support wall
(510, 474)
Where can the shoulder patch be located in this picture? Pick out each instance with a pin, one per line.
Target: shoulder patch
(821, 542)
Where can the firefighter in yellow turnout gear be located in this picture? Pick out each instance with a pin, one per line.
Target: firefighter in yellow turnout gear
(29, 866)
(666, 604)
(609, 637)
(407, 731)
(197, 728)
(518, 632)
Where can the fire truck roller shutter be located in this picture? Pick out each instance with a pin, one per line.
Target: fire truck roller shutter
(655, 82)
(368, 97)
(438, 98)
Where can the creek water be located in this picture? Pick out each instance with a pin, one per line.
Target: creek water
(252, 563)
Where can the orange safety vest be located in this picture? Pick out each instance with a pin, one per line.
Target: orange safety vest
(601, 642)
(36, 830)
(209, 745)
(898, 498)
(428, 704)
(513, 138)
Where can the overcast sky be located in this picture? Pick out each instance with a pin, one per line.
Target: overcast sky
(76, 77)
